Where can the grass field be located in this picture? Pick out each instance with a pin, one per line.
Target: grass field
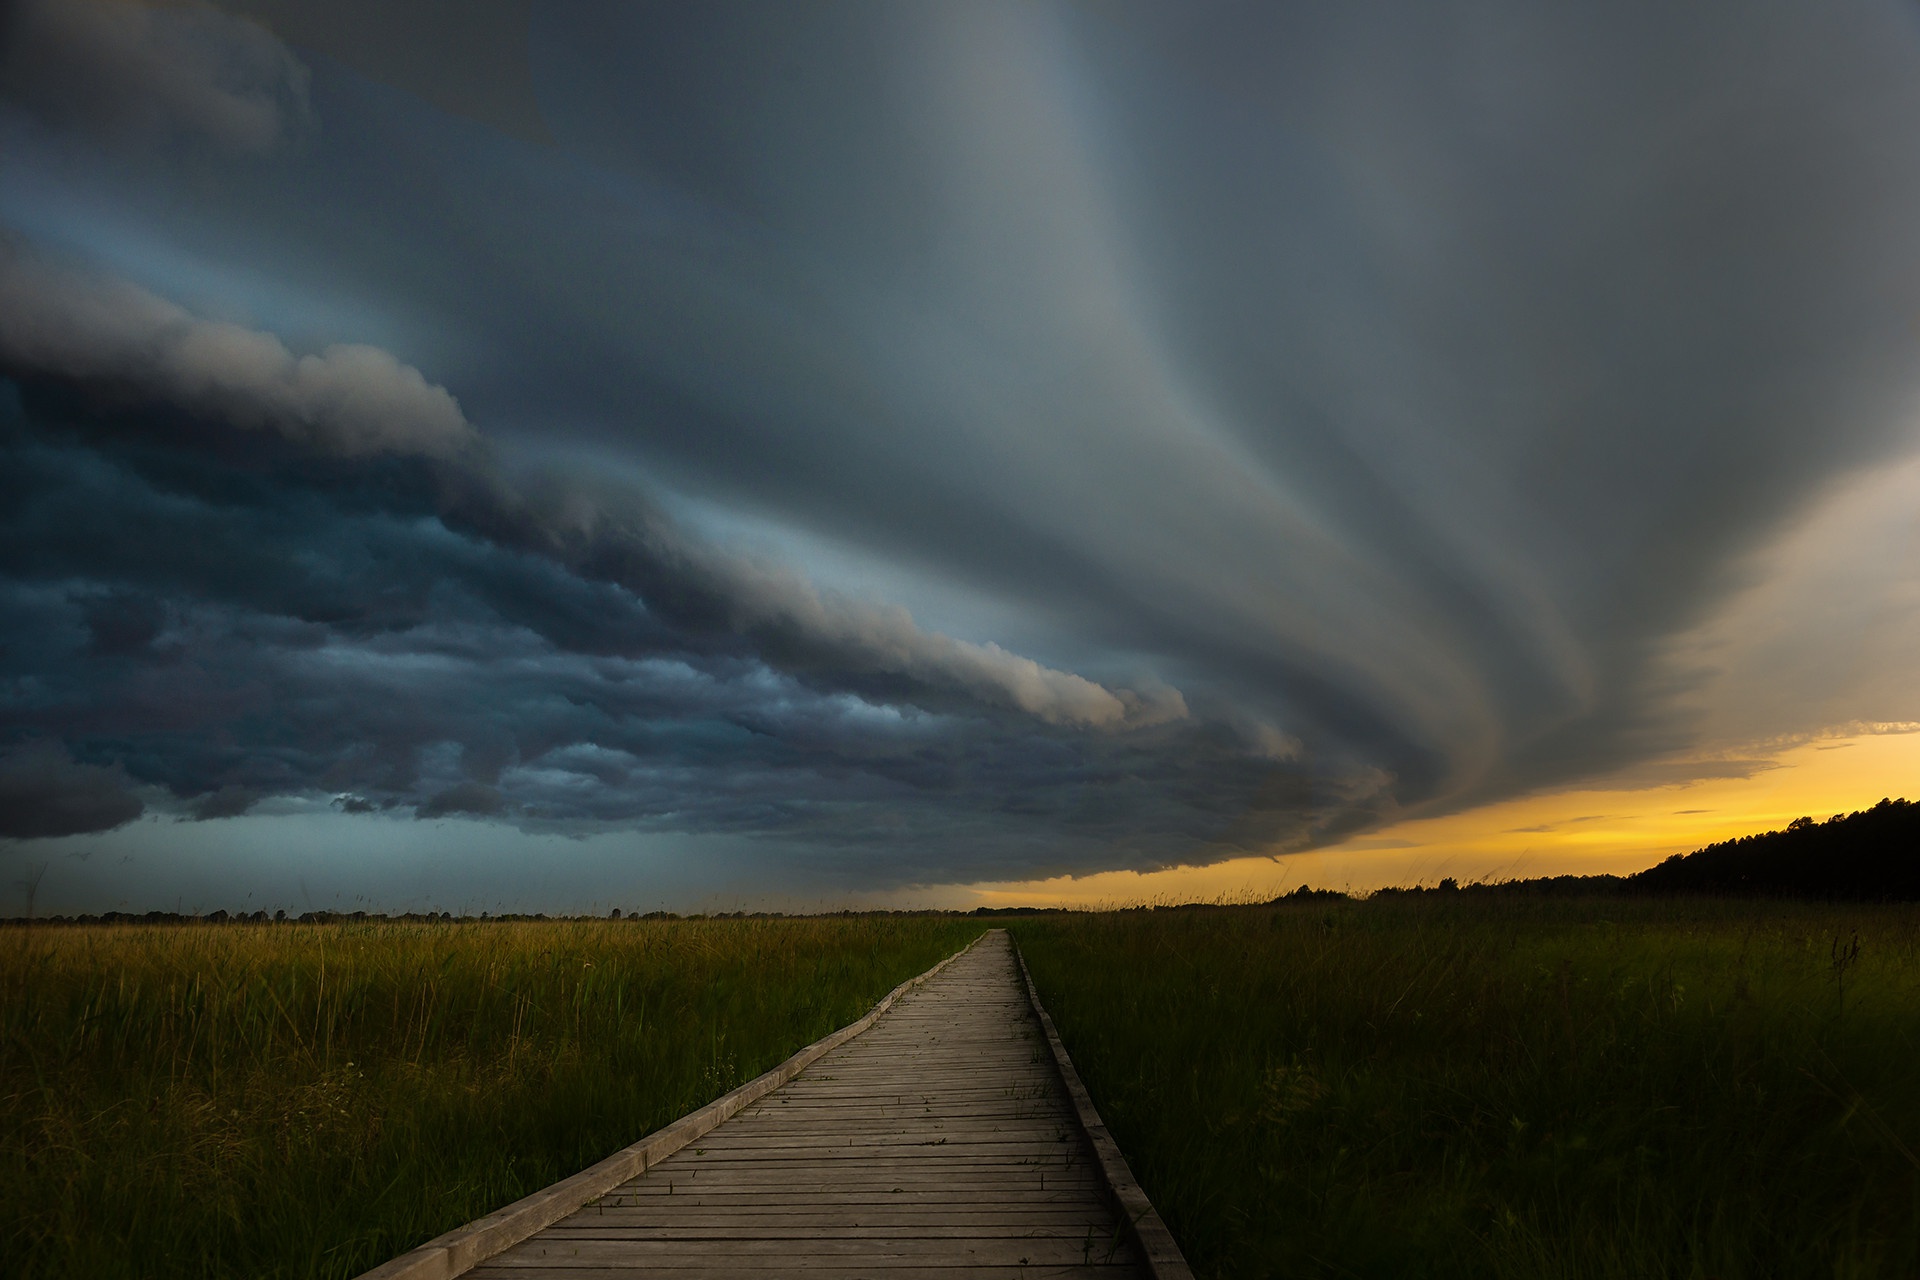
(308, 1100)
(1449, 1085)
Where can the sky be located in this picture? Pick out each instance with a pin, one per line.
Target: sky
(497, 456)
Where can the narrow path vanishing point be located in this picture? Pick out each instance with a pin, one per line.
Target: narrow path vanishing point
(938, 1143)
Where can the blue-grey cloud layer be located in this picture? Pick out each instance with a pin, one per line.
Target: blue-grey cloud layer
(1346, 401)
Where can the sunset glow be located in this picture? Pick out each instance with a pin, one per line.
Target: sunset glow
(1616, 829)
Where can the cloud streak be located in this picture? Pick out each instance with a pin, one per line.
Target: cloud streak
(618, 537)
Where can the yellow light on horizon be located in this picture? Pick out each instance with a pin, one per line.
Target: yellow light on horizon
(1618, 826)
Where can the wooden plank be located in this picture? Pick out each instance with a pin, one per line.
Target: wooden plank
(938, 1191)
(917, 1108)
(921, 1155)
(920, 1118)
(893, 1133)
(1098, 1263)
(894, 1189)
(1010, 1217)
(907, 1149)
(1039, 1091)
(720, 1269)
(1013, 1177)
(676, 1217)
(822, 1248)
(1073, 1199)
(718, 1235)
(987, 1174)
(780, 1131)
(788, 1164)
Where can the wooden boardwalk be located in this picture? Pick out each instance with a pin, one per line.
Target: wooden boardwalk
(938, 1143)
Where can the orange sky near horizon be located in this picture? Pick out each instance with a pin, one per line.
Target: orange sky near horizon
(1617, 825)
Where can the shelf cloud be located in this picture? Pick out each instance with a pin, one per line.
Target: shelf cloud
(115, 376)
(941, 443)
(350, 399)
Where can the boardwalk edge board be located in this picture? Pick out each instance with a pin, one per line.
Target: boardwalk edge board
(1159, 1253)
(464, 1248)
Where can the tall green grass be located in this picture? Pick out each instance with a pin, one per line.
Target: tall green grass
(309, 1100)
(1452, 1086)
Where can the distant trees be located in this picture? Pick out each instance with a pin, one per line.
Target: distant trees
(1872, 854)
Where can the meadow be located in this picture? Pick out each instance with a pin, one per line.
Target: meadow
(257, 1100)
(1446, 1085)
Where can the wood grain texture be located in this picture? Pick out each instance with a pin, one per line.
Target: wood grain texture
(939, 1143)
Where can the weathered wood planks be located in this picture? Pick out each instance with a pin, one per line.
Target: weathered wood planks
(940, 1143)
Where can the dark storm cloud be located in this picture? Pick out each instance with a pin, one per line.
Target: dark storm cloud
(365, 605)
(123, 622)
(1392, 381)
(464, 797)
(128, 72)
(230, 801)
(44, 792)
(329, 639)
(355, 401)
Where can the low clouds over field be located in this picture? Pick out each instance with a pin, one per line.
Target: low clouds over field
(935, 442)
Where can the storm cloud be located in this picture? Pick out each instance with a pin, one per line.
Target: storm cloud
(126, 72)
(351, 398)
(44, 792)
(950, 441)
(460, 606)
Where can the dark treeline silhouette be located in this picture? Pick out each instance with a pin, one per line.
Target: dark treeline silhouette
(1872, 854)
